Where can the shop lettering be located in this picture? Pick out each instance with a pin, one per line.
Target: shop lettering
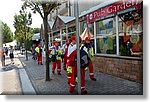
(111, 9)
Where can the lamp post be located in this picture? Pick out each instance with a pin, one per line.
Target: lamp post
(78, 45)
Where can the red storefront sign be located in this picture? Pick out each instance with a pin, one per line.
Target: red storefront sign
(112, 9)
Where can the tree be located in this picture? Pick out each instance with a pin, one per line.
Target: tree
(21, 24)
(36, 30)
(22, 32)
(7, 34)
(44, 8)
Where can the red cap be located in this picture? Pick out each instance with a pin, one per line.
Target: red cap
(73, 38)
(56, 42)
(87, 39)
(39, 45)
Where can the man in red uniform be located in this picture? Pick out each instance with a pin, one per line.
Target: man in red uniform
(65, 51)
(72, 64)
(87, 47)
(57, 52)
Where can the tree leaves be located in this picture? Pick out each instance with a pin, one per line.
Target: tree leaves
(23, 32)
(7, 34)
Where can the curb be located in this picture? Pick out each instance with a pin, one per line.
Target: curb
(26, 84)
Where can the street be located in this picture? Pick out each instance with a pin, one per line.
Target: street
(105, 84)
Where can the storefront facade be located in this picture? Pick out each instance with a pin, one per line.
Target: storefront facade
(117, 28)
(118, 39)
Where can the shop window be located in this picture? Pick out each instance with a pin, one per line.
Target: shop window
(131, 34)
(106, 36)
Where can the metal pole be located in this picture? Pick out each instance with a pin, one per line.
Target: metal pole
(66, 31)
(117, 35)
(95, 37)
(61, 36)
(78, 46)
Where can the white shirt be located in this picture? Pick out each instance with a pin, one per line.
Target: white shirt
(71, 48)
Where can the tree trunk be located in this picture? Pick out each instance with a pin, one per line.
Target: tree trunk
(46, 46)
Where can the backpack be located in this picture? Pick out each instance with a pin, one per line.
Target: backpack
(84, 58)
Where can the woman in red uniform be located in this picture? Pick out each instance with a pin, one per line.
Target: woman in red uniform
(65, 51)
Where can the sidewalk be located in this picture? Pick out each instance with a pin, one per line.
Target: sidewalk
(105, 84)
(9, 76)
(14, 79)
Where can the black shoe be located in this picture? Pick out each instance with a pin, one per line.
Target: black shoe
(41, 64)
(53, 72)
(94, 79)
(59, 73)
(71, 91)
(84, 92)
(65, 69)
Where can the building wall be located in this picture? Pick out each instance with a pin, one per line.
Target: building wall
(83, 6)
(127, 68)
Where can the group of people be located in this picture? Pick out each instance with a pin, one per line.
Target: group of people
(4, 52)
(68, 54)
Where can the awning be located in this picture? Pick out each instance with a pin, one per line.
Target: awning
(13, 43)
(36, 36)
(86, 33)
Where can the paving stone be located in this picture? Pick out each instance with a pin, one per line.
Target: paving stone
(105, 84)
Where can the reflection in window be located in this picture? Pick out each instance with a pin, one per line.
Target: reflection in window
(131, 35)
(106, 36)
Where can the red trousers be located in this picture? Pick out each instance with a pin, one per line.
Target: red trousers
(69, 77)
(90, 66)
(65, 62)
(73, 77)
(39, 58)
(58, 63)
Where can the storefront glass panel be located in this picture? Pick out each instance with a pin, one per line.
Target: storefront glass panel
(131, 34)
(106, 36)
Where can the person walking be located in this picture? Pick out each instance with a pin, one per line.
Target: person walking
(11, 54)
(65, 51)
(39, 54)
(89, 49)
(56, 55)
(2, 56)
(33, 52)
(6, 51)
(72, 66)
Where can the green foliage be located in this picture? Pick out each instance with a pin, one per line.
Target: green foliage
(124, 51)
(21, 22)
(36, 30)
(7, 34)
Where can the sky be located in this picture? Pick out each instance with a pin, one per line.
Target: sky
(8, 8)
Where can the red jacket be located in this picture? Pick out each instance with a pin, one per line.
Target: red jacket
(72, 55)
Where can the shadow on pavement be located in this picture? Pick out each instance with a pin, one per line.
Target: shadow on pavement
(8, 67)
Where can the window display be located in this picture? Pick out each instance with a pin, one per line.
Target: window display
(106, 36)
(131, 34)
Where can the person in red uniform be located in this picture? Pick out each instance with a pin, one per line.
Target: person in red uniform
(89, 49)
(39, 55)
(57, 52)
(72, 64)
(65, 51)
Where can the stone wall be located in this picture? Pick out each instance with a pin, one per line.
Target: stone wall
(123, 67)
